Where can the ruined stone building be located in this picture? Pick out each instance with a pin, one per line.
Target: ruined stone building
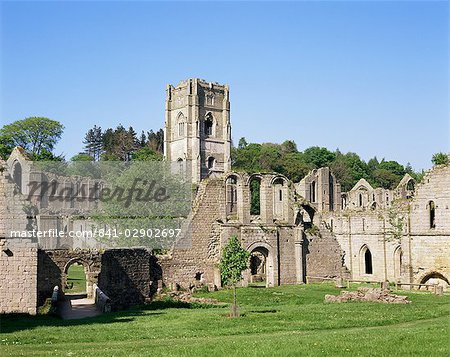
(292, 230)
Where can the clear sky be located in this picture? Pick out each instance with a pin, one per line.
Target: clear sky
(367, 77)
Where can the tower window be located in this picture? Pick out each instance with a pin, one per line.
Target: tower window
(211, 162)
(432, 212)
(208, 125)
(360, 200)
(180, 129)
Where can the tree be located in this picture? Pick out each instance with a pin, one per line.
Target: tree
(93, 142)
(34, 134)
(319, 157)
(82, 157)
(156, 140)
(289, 146)
(146, 154)
(143, 139)
(440, 159)
(233, 262)
(6, 146)
(242, 143)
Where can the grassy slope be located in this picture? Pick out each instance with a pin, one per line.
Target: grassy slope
(288, 320)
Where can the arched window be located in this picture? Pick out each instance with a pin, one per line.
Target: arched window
(312, 192)
(180, 129)
(398, 262)
(360, 200)
(17, 174)
(181, 122)
(231, 195)
(366, 257)
(180, 166)
(209, 124)
(278, 198)
(432, 213)
(210, 99)
(410, 186)
(255, 196)
(331, 192)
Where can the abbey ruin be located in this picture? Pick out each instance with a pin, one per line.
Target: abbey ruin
(293, 230)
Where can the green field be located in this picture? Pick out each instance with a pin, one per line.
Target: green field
(281, 321)
(76, 279)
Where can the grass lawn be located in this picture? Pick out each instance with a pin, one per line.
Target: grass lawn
(76, 278)
(281, 321)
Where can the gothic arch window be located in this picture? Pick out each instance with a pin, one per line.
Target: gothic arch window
(181, 123)
(410, 187)
(255, 196)
(366, 260)
(432, 214)
(331, 192)
(210, 99)
(398, 262)
(17, 174)
(180, 164)
(208, 125)
(279, 197)
(360, 200)
(231, 195)
(312, 192)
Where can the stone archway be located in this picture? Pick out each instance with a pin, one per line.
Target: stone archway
(262, 264)
(88, 277)
(435, 278)
(54, 264)
(258, 265)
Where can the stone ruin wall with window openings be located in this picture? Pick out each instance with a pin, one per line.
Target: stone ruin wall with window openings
(293, 230)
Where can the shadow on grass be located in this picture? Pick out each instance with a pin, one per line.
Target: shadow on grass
(17, 322)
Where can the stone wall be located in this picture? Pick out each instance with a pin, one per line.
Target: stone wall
(128, 276)
(18, 283)
(324, 256)
(195, 263)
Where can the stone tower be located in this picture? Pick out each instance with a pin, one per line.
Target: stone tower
(197, 134)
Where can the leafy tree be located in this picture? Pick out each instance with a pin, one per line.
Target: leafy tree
(6, 146)
(242, 143)
(270, 157)
(294, 166)
(82, 157)
(146, 154)
(319, 157)
(386, 178)
(440, 159)
(289, 146)
(34, 134)
(246, 159)
(392, 166)
(233, 262)
(46, 155)
(372, 164)
(255, 199)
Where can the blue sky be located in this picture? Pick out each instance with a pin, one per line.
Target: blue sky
(367, 77)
